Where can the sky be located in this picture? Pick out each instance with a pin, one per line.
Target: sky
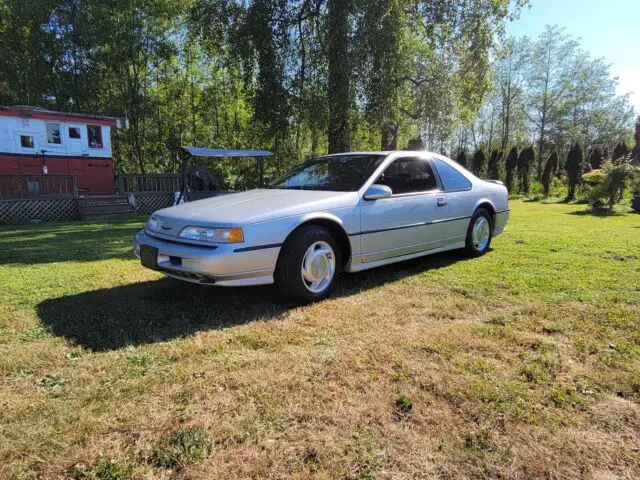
(606, 28)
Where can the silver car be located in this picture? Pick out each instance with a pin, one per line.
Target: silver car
(343, 212)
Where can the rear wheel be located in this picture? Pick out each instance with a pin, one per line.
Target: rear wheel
(479, 233)
(308, 265)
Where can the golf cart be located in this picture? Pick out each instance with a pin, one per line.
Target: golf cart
(197, 182)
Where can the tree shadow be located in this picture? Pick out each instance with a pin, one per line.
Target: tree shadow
(596, 213)
(72, 242)
(165, 309)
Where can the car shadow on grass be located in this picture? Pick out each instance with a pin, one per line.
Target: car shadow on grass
(156, 311)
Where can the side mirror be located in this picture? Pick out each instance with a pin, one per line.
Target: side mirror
(377, 191)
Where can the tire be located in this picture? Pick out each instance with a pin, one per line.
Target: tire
(478, 245)
(290, 271)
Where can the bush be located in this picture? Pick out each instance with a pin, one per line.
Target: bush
(635, 201)
(104, 470)
(609, 182)
(181, 448)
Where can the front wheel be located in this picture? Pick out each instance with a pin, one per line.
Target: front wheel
(308, 265)
(479, 233)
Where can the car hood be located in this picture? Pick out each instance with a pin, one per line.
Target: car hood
(250, 207)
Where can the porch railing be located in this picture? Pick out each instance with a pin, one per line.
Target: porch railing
(38, 186)
(165, 182)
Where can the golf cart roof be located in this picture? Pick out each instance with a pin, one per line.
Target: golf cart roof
(214, 152)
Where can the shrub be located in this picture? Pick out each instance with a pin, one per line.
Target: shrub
(181, 448)
(574, 162)
(549, 168)
(477, 163)
(557, 188)
(493, 169)
(462, 158)
(104, 470)
(596, 156)
(609, 183)
(510, 166)
(525, 160)
(403, 405)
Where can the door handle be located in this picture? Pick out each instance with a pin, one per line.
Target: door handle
(442, 202)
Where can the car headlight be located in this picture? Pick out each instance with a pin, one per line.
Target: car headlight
(213, 234)
(152, 224)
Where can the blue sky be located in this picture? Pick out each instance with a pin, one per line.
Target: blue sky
(606, 28)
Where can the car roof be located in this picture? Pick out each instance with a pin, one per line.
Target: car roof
(383, 152)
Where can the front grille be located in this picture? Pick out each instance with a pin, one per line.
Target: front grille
(192, 277)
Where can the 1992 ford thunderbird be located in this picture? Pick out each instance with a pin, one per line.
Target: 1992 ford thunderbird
(343, 212)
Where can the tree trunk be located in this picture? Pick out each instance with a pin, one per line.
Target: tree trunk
(389, 137)
(339, 76)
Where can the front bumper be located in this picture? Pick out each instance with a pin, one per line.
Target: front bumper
(217, 264)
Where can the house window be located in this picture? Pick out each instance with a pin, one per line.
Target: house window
(26, 141)
(74, 132)
(94, 134)
(53, 134)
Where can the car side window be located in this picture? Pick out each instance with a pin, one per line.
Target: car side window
(451, 178)
(408, 175)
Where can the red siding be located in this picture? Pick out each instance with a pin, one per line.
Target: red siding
(93, 174)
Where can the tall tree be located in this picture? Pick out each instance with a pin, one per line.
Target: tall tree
(493, 168)
(477, 164)
(339, 86)
(621, 150)
(596, 156)
(525, 161)
(547, 173)
(636, 135)
(549, 82)
(574, 166)
(462, 158)
(510, 166)
(510, 74)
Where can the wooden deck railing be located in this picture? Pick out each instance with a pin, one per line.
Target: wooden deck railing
(165, 182)
(38, 186)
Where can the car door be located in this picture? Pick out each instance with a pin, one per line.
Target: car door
(460, 199)
(410, 220)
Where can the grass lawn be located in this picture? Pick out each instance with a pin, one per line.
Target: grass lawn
(524, 363)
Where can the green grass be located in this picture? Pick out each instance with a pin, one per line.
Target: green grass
(520, 364)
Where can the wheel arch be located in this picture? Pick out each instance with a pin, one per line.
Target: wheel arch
(334, 226)
(487, 205)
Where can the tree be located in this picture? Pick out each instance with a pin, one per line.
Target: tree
(574, 165)
(510, 166)
(525, 161)
(462, 158)
(493, 168)
(549, 81)
(596, 156)
(339, 86)
(477, 164)
(547, 173)
(621, 150)
(510, 74)
(636, 148)
(301, 77)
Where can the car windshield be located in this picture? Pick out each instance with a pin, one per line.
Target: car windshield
(341, 173)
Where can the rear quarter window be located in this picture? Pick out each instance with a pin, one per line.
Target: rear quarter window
(451, 178)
